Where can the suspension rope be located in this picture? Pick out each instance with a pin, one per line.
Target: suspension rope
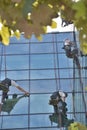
(72, 86)
(79, 71)
(84, 92)
(57, 59)
(29, 58)
(58, 63)
(73, 90)
(54, 58)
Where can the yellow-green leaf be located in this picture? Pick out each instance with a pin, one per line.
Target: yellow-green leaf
(45, 28)
(54, 24)
(80, 9)
(73, 126)
(5, 35)
(39, 38)
(77, 126)
(17, 34)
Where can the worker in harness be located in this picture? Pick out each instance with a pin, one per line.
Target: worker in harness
(70, 48)
(57, 100)
(56, 97)
(4, 89)
(71, 51)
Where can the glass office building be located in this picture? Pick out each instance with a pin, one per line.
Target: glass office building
(41, 67)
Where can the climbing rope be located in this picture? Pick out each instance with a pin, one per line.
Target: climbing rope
(80, 76)
(54, 60)
(29, 81)
(57, 59)
(75, 61)
(85, 95)
(73, 91)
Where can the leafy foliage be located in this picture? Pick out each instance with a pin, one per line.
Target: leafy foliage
(77, 126)
(33, 17)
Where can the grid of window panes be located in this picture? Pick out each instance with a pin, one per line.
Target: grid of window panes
(40, 67)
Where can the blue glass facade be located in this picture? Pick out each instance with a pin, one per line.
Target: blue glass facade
(40, 67)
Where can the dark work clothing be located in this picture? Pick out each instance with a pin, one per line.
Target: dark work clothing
(54, 98)
(4, 85)
(4, 88)
(70, 51)
(55, 95)
(4, 96)
(72, 54)
(6, 81)
(58, 101)
(60, 107)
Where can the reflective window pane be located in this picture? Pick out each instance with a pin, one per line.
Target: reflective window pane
(42, 61)
(41, 68)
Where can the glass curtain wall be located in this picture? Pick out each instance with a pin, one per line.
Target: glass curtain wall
(40, 67)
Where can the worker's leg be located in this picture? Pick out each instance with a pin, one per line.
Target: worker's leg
(4, 96)
(55, 109)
